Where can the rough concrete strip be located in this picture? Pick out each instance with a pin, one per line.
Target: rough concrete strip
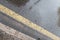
(16, 35)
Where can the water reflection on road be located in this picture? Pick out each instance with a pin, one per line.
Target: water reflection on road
(44, 13)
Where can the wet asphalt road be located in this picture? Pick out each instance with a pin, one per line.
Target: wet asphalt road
(43, 13)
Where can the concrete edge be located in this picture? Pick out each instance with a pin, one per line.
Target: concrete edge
(15, 33)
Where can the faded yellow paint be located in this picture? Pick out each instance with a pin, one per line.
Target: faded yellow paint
(25, 21)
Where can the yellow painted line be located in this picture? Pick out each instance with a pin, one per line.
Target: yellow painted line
(25, 21)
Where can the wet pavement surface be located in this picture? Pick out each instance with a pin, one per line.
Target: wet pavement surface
(42, 12)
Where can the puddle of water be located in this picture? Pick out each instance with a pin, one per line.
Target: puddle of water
(18, 2)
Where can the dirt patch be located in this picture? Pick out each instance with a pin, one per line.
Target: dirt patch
(18, 2)
(59, 16)
(5, 36)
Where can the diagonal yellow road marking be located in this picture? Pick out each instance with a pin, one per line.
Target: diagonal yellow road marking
(25, 21)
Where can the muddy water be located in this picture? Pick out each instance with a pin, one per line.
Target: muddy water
(18, 2)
